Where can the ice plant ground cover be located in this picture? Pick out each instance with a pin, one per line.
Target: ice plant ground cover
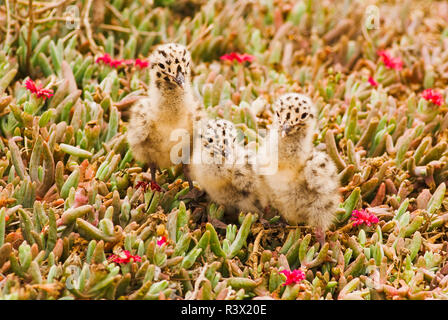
(79, 218)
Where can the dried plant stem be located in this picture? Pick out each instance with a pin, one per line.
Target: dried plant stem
(197, 284)
(345, 228)
(36, 3)
(254, 253)
(88, 28)
(114, 11)
(127, 30)
(201, 35)
(8, 24)
(52, 6)
(69, 35)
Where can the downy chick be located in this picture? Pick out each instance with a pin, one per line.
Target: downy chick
(170, 106)
(305, 186)
(220, 167)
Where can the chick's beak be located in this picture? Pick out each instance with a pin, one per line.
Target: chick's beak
(285, 130)
(180, 79)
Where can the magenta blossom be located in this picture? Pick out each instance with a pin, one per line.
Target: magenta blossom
(161, 241)
(38, 90)
(433, 96)
(372, 82)
(105, 58)
(238, 57)
(363, 217)
(141, 63)
(389, 61)
(125, 257)
(115, 63)
(295, 276)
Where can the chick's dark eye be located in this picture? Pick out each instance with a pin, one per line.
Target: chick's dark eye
(161, 66)
(304, 115)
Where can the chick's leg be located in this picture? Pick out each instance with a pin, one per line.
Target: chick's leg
(194, 193)
(154, 185)
(186, 170)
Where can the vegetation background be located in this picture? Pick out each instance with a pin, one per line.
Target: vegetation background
(76, 218)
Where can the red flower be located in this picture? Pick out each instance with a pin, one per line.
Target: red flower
(389, 61)
(155, 186)
(362, 216)
(126, 259)
(294, 276)
(141, 63)
(238, 57)
(106, 58)
(127, 61)
(115, 63)
(38, 90)
(161, 241)
(433, 96)
(372, 82)
(144, 185)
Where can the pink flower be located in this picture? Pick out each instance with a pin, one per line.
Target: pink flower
(126, 258)
(389, 61)
(106, 58)
(141, 63)
(295, 276)
(245, 57)
(127, 62)
(161, 241)
(38, 90)
(362, 216)
(80, 198)
(115, 63)
(433, 96)
(372, 82)
(238, 57)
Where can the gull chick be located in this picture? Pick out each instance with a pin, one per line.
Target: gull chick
(220, 167)
(305, 187)
(170, 107)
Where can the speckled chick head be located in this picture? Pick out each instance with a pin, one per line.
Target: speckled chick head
(294, 112)
(171, 66)
(218, 140)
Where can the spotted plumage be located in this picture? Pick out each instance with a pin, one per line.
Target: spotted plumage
(168, 111)
(293, 111)
(305, 187)
(170, 66)
(220, 167)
